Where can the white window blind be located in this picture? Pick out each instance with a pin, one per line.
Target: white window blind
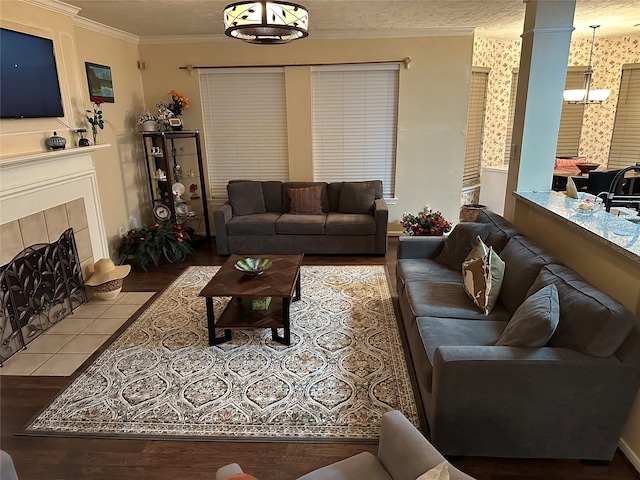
(571, 118)
(245, 124)
(355, 116)
(625, 143)
(475, 128)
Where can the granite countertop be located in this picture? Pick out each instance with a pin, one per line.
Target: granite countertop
(620, 235)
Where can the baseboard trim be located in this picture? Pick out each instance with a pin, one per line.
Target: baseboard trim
(630, 454)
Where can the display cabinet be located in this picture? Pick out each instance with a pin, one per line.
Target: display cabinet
(176, 179)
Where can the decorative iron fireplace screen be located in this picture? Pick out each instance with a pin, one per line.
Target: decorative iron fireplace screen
(39, 287)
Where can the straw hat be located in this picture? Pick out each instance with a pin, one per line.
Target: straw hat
(105, 271)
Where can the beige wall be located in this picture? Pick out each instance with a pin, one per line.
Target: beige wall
(119, 177)
(432, 112)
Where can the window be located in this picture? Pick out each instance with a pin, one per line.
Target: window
(570, 119)
(245, 123)
(625, 142)
(475, 127)
(355, 116)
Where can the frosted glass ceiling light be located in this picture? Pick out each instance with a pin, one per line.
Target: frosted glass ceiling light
(586, 96)
(266, 22)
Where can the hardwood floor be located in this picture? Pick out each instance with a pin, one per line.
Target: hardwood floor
(94, 458)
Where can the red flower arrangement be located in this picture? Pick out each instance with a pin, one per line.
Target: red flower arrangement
(425, 222)
(96, 120)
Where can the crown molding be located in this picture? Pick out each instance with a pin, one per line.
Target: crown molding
(55, 6)
(324, 35)
(105, 30)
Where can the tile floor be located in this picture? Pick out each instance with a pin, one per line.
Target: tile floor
(67, 345)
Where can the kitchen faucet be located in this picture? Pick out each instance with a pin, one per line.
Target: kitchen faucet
(612, 198)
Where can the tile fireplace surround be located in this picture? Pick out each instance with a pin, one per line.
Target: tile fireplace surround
(43, 194)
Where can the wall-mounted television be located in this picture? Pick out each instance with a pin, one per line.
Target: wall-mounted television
(29, 86)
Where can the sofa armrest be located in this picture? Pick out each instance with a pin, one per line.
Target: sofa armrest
(405, 453)
(220, 218)
(381, 215)
(420, 246)
(564, 403)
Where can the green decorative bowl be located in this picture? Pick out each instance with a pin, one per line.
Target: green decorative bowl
(253, 265)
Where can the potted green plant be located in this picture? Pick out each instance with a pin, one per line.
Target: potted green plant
(149, 245)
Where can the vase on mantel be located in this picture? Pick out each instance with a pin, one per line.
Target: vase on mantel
(94, 131)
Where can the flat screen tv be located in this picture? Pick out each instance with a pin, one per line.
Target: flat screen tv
(29, 86)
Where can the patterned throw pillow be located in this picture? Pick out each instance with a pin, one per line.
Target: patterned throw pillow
(482, 280)
(439, 472)
(306, 200)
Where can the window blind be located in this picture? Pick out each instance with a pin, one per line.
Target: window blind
(512, 111)
(625, 142)
(355, 116)
(475, 128)
(571, 118)
(245, 125)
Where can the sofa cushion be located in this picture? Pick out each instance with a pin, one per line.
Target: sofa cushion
(482, 279)
(590, 320)
(534, 321)
(356, 197)
(502, 230)
(447, 300)
(412, 269)
(272, 193)
(305, 200)
(260, 224)
(460, 242)
(286, 202)
(523, 260)
(246, 197)
(290, 224)
(350, 224)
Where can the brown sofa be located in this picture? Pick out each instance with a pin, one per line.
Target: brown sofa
(350, 218)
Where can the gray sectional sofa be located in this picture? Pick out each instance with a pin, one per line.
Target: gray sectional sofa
(569, 398)
(259, 217)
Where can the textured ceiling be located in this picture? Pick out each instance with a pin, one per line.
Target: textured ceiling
(491, 18)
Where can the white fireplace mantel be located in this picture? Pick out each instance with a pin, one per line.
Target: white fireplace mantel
(31, 183)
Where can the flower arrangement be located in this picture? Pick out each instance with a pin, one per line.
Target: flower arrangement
(95, 119)
(179, 103)
(147, 245)
(425, 222)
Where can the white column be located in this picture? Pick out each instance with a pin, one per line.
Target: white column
(543, 69)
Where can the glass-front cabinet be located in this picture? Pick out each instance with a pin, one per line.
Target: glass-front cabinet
(176, 179)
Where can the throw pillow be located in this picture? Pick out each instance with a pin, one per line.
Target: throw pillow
(356, 197)
(246, 198)
(306, 200)
(478, 251)
(482, 279)
(535, 321)
(460, 242)
(241, 476)
(439, 472)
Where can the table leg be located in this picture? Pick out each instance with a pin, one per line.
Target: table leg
(297, 295)
(286, 338)
(211, 324)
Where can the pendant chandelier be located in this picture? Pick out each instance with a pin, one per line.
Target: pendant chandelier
(585, 95)
(266, 22)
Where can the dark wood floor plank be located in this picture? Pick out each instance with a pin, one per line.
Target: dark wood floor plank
(68, 458)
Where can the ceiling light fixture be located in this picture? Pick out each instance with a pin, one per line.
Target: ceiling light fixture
(266, 22)
(585, 95)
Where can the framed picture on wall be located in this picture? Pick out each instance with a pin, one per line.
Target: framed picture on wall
(100, 83)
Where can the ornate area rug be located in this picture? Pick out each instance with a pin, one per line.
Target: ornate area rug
(344, 369)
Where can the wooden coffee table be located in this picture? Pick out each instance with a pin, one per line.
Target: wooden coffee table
(282, 281)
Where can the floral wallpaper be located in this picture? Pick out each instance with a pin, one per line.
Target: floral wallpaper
(503, 56)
